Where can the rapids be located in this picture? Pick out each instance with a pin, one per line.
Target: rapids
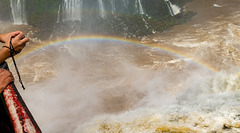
(182, 80)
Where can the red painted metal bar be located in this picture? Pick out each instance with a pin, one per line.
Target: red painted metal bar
(21, 118)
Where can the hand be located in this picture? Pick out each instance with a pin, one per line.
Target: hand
(6, 77)
(5, 37)
(18, 40)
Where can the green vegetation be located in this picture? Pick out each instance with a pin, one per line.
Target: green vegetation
(134, 26)
(42, 12)
(5, 12)
(157, 19)
(43, 15)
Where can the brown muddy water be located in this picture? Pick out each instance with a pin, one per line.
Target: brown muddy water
(183, 80)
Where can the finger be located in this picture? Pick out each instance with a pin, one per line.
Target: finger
(6, 77)
(20, 36)
(20, 48)
(13, 34)
(8, 80)
(25, 40)
(5, 73)
(5, 83)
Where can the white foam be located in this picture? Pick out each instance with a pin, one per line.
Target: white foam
(216, 5)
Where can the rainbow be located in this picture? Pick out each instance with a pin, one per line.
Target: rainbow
(112, 38)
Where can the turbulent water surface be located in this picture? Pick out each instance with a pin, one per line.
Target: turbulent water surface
(183, 80)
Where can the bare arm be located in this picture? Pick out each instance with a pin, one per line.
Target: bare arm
(6, 77)
(18, 41)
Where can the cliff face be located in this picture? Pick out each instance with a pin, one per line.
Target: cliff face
(129, 18)
(5, 10)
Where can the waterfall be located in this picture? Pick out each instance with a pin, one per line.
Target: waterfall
(113, 6)
(18, 11)
(101, 9)
(59, 12)
(125, 3)
(138, 7)
(173, 9)
(71, 10)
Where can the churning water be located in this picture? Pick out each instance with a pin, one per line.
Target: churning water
(183, 80)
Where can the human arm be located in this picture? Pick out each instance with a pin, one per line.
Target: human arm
(6, 77)
(18, 41)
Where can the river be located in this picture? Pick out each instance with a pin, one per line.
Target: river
(185, 79)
